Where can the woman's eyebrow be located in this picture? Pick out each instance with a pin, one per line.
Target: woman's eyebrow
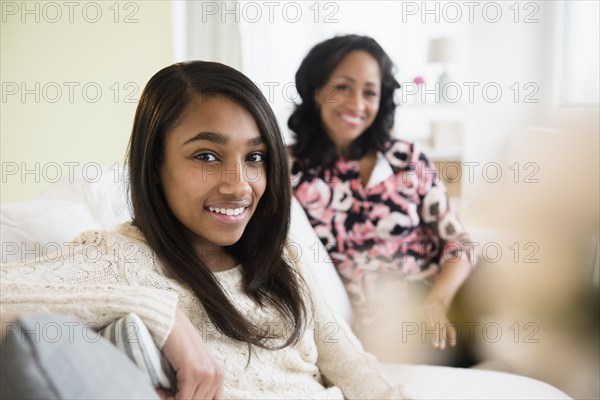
(352, 80)
(348, 78)
(210, 136)
(219, 138)
(256, 141)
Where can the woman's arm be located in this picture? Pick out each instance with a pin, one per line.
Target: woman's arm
(455, 258)
(99, 278)
(94, 305)
(199, 376)
(453, 274)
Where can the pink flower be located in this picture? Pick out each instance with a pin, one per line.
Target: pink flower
(347, 268)
(418, 80)
(341, 231)
(388, 224)
(324, 233)
(314, 197)
(386, 248)
(342, 197)
(380, 211)
(361, 232)
(347, 165)
(355, 185)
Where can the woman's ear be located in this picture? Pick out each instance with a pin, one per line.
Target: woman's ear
(317, 98)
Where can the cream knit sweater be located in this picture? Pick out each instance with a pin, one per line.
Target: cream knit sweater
(103, 276)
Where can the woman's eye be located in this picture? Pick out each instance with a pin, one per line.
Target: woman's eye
(205, 157)
(255, 157)
(371, 94)
(342, 87)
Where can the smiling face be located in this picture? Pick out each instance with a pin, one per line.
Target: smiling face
(349, 101)
(213, 173)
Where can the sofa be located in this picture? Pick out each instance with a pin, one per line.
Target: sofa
(42, 225)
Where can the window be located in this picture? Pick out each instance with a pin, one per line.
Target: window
(580, 67)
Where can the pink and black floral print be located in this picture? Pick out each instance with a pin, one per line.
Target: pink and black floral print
(392, 233)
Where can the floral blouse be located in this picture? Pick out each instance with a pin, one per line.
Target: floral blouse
(394, 231)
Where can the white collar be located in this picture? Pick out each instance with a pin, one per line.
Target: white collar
(381, 171)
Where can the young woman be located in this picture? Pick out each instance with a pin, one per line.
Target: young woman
(374, 201)
(203, 262)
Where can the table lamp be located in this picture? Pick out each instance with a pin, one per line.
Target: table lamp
(441, 50)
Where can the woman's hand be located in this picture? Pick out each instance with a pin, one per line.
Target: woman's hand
(453, 274)
(199, 376)
(436, 320)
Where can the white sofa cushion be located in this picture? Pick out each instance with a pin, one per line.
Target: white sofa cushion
(314, 255)
(39, 228)
(105, 196)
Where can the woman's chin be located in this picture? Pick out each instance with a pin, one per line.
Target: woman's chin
(225, 242)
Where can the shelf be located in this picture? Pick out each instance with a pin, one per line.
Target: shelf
(446, 154)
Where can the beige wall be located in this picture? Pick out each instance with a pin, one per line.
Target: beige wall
(51, 133)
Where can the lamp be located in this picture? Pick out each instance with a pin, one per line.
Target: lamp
(441, 50)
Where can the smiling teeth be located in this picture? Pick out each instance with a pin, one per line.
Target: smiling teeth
(351, 118)
(227, 211)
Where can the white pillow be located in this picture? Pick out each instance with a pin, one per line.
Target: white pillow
(38, 228)
(104, 194)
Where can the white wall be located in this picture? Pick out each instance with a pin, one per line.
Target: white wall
(549, 141)
(274, 48)
(47, 131)
(502, 58)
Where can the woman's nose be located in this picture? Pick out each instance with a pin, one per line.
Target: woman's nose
(233, 180)
(357, 102)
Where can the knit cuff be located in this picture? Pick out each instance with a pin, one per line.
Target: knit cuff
(95, 305)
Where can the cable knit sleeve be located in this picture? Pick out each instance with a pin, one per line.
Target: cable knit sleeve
(94, 306)
(97, 278)
(341, 358)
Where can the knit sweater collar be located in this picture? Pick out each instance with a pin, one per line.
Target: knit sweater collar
(230, 276)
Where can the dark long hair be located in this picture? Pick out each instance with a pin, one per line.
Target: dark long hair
(267, 276)
(313, 147)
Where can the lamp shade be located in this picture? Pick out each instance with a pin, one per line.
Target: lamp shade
(440, 50)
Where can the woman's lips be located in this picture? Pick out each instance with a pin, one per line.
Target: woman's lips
(228, 215)
(227, 211)
(351, 119)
